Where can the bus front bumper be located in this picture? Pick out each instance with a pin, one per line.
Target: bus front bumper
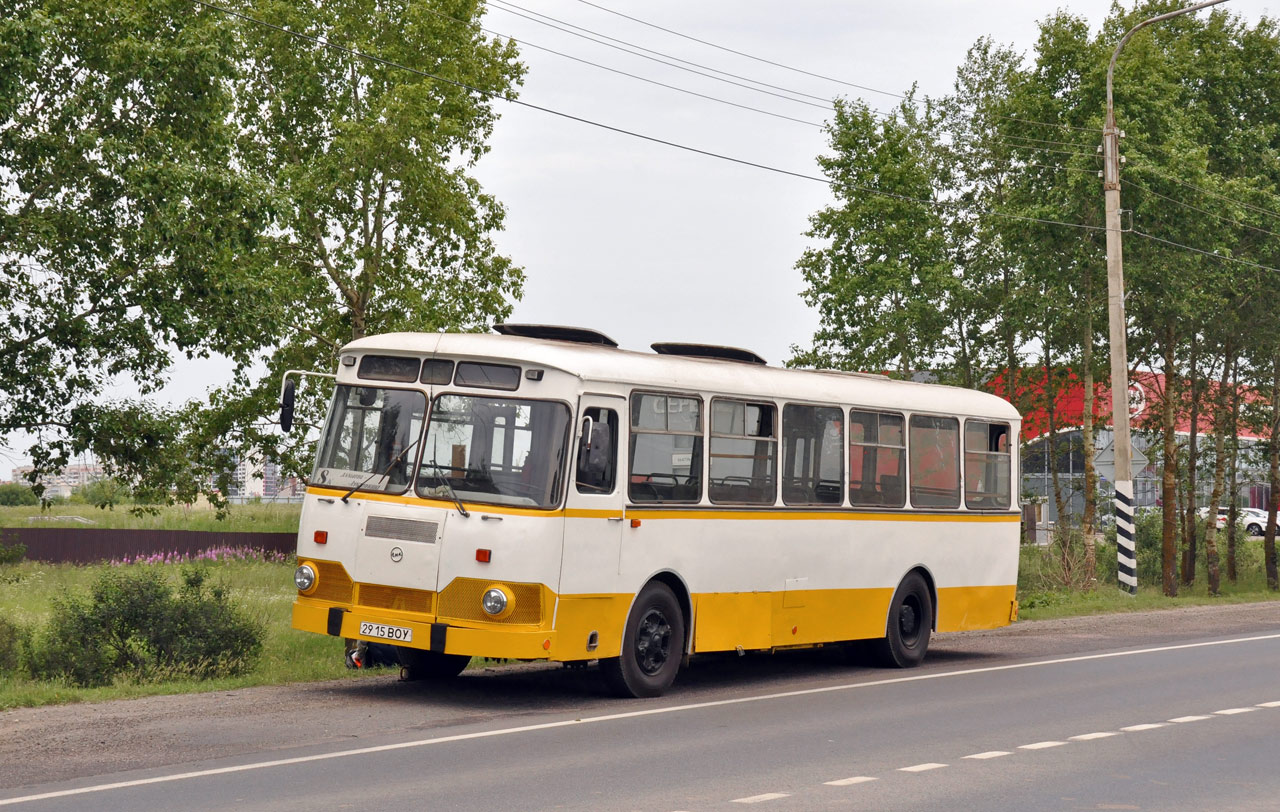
(497, 643)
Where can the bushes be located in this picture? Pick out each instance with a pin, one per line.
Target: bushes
(134, 623)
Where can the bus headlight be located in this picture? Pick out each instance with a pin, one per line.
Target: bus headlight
(304, 577)
(494, 601)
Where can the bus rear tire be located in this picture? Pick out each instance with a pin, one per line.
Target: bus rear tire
(910, 620)
(652, 645)
(416, 664)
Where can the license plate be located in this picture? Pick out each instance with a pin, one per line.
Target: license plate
(398, 633)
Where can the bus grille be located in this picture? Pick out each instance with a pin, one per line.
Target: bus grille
(461, 600)
(386, 527)
(333, 582)
(393, 597)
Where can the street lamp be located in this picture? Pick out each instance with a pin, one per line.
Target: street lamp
(1126, 555)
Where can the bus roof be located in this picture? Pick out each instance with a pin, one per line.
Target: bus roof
(593, 362)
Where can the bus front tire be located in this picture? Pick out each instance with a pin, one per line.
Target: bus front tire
(652, 645)
(416, 664)
(909, 623)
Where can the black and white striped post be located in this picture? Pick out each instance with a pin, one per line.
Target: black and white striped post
(1126, 552)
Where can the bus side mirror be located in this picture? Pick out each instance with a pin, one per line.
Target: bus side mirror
(286, 405)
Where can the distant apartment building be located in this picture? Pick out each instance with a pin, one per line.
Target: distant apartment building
(61, 485)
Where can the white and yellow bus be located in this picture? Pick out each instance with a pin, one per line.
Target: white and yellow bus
(540, 494)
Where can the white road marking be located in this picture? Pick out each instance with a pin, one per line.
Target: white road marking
(1269, 704)
(1140, 728)
(920, 768)
(612, 717)
(755, 799)
(1088, 737)
(1184, 719)
(1040, 745)
(847, 782)
(1234, 711)
(990, 754)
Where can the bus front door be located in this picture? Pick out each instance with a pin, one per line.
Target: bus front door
(591, 602)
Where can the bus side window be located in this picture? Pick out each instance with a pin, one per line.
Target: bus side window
(598, 451)
(934, 461)
(666, 448)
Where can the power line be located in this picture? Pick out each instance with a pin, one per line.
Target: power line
(528, 44)
(1142, 167)
(502, 5)
(1177, 202)
(743, 54)
(326, 43)
(800, 70)
(826, 105)
(1203, 252)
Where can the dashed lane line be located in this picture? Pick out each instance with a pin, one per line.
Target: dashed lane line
(1269, 704)
(1088, 737)
(756, 799)
(1140, 728)
(990, 754)
(1182, 720)
(920, 768)
(1040, 745)
(848, 782)
(1234, 711)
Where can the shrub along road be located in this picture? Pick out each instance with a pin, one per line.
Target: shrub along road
(59, 743)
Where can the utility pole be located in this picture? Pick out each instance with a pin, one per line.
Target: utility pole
(1126, 553)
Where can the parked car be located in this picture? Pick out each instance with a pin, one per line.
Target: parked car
(1253, 520)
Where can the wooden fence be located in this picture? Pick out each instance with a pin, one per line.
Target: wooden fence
(89, 545)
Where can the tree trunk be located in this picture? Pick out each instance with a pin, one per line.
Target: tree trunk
(1169, 496)
(1269, 541)
(1089, 522)
(1233, 459)
(1219, 470)
(1189, 519)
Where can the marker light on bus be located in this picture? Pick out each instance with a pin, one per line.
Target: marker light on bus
(494, 601)
(322, 537)
(304, 577)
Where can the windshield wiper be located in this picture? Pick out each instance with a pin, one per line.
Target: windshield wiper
(384, 471)
(449, 487)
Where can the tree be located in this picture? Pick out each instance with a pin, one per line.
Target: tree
(129, 233)
(15, 494)
(883, 279)
(377, 225)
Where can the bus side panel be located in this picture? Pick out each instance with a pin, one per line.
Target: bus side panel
(727, 620)
(965, 608)
(826, 615)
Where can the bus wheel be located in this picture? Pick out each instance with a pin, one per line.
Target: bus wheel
(910, 619)
(416, 664)
(652, 645)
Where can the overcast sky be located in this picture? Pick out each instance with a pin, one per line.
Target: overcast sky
(649, 243)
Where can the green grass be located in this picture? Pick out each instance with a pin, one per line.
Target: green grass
(1042, 596)
(264, 518)
(264, 590)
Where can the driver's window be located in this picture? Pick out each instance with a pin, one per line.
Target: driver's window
(597, 450)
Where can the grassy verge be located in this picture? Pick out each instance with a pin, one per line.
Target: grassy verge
(265, 591)
(1049, 588)
(265, 517)
(262, 589)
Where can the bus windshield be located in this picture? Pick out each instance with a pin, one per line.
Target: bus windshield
(495, 450)
(370, 440)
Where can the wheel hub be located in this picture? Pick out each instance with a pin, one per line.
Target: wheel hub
(653, 642)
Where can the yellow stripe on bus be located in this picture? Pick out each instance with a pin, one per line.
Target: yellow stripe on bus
(760, 514)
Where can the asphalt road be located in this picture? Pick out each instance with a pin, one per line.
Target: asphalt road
(1167, 711)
